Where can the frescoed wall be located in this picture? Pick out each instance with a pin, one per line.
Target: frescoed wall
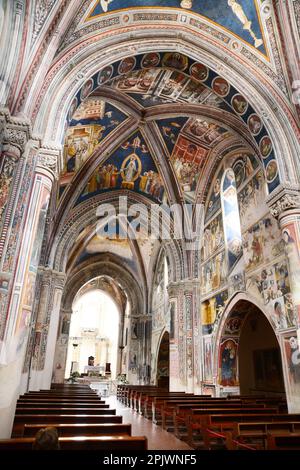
(263, 270)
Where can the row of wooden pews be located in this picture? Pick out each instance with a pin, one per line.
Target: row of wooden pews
(204, 422)
(82, 419)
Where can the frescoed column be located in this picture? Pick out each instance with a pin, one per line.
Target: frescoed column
(62, 343)
(46, 327)
(16, 177)
(176, 337)
(285, 206)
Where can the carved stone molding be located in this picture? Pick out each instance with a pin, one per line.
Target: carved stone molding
(48, 159)
(16, 131)
(285, 198)
(15, 137)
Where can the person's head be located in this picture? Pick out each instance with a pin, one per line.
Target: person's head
(46, 439)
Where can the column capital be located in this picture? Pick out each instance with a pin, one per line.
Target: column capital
(51, 277)
(48, 159)
(16, 131)
(284, 198)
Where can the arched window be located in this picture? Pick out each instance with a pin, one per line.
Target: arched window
(231, 219)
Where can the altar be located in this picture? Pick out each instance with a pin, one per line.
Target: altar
(94, 370)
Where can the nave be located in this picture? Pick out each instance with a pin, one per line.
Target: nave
(144, 418)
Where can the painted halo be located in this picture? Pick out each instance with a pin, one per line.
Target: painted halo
(271, 171)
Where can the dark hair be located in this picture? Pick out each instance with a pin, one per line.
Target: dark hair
(46, 439)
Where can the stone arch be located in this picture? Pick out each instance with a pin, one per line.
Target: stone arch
(239, 307)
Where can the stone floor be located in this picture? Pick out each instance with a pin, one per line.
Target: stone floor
(158, 439)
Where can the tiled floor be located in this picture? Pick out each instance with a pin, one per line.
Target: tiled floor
(158, 439)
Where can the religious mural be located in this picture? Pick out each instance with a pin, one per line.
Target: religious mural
(228, 362)
(272, 286)
(208, 358)
(90, 124)
(213, 237)
(292, 353)
(262, 243)
(252, 200)
(240, 17)
(130, 167)
(214, 273)
(211, 311)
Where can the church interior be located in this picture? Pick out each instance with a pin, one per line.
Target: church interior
(150, 223)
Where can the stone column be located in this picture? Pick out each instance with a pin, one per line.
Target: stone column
(61, 351)
(178, 361)
(284, 205)
(46, 330)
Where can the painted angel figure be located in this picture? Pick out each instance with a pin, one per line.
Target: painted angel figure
(104, 4)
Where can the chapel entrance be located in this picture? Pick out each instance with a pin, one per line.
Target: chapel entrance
(163, 362)
(250, 356)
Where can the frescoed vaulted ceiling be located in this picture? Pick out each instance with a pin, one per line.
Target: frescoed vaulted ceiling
(239, 17)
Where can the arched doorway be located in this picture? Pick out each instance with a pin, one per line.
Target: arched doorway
(163, 362)
(94, 335)
(249, 353)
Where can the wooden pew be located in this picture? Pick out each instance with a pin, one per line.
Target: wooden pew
(283, 442)
(61, 404)
(181, 413)
(111, 443)
(48, 419)
(72, 410)
(256, 433)
(69, 430)
(222, 420)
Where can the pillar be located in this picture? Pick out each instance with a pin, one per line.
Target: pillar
(61, 351)
(284, 205)
(46, 328)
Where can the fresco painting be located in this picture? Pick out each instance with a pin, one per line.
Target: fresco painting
(241, 17)
(244, 166)
(129, 167)
(292, 353)
(206, 131)
(214, 202)
(272, 286)
(237, 283)
(228, 373)
(211, 311)
(291, 240)
(214, 273)
(170, 130)
(188, 159)
(208, 357)
(91, 123)
(262, 243)
(234, 323)
(252, 200)
(213, 238)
